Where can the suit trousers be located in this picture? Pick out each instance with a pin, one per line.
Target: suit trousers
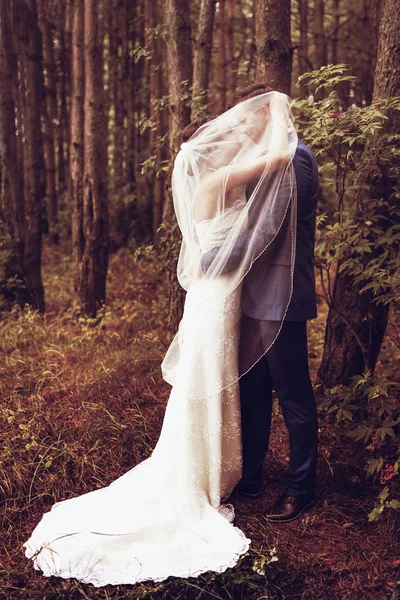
(283, 368)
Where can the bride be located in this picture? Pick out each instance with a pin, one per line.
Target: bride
(233, 195)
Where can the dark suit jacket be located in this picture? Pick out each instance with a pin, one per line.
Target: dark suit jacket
(303, 304)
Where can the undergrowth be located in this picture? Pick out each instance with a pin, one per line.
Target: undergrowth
(83, 402)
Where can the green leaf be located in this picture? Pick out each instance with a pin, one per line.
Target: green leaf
(374, 465)
(384, 494)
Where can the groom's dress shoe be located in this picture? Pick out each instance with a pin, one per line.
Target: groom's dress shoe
(288, 507)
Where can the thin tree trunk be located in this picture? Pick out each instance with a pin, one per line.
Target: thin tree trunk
(92, 288)
(116, 95)
(66, 97)
(125, 83)
(61, 102)
(319, 34)
(156, 184)
(303, 49)
(140, 102)
(31, 63)
(274, 48)
(222, 56)
(231, 66)
(131, 93)
(202, 56)
(371, 43)
(12, 205)
(141, 98)
(180, 77)
(49, 117)
(335, 34)
(253, 44)
(180, 69)
(77, 136)
(349, 350)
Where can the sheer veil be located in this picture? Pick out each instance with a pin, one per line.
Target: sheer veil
(234, 193)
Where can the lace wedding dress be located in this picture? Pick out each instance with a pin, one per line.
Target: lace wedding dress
(165, 516)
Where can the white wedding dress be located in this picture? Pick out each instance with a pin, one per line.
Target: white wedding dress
(165, 516)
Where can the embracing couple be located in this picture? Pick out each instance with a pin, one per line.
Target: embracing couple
(244, 190)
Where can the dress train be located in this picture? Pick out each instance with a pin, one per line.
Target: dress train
(165, 516)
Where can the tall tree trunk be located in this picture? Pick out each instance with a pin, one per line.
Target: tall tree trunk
(140, 137)
(49, 118)
(156, 184)
(274, 48)
(116, 87)
(12, 205)
(231, 71)
(92, 285)
(222, 56)
(202, 56)
(131, 150)
(335, 34)
(252, 70)
(180, 77)
(370, 44)
(180, 67)
(64, 81)
(76, 152)
(356, 325)
(31, 63)
(319, 34)
(303, 49)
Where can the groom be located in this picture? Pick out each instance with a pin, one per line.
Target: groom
(284, 367)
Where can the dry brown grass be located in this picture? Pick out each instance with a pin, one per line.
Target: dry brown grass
(81, 405)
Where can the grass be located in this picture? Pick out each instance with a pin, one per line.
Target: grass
(81, 405)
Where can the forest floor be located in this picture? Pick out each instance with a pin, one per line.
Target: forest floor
(81, 405)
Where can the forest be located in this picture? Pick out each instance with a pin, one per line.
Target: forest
(94, 97)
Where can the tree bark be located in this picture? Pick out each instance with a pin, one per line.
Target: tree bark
(231, 71)
(356, 325)
(180, 77)
(12, 204)
(274, 48)
(49, 117)
(92, 285)
(302, 53)
(61, 102)
(180, 67)
(156, 183)
(133, 81)
(335, 34)
(34, 180)
(116, 87)
(222, 79)
(64, 101)
(76, 151)
(319, 34)
(202, 55)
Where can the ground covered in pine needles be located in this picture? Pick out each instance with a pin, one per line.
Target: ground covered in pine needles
(83, 403)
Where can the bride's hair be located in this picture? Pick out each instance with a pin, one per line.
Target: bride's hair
(250, 91)
(193, 127)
